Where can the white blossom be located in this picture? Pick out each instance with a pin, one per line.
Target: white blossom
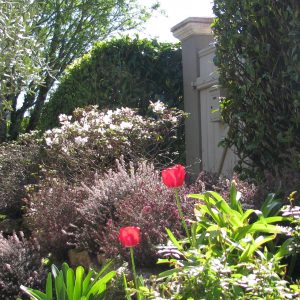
(80, 140)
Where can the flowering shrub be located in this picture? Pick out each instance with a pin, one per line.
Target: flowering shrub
(134, 197)
(92, 140)
(20, 263)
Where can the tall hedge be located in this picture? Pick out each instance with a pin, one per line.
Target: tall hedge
(258, 55)
(121, 72)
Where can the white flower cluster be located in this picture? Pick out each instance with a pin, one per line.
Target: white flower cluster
(157, 107)
(118, 129)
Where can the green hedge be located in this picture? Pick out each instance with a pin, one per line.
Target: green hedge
(121, 72)
(258, 55)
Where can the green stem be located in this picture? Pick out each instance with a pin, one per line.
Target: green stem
(133, 267)
(181, 216)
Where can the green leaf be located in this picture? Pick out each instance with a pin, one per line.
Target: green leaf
(86, 282)
(174, 240)
(100, 286)
(49, 292)
(285, 249)
(126, 288)
(70, 283)
(78, 283)
(34, 293)
(271, 206)
(167, 273)
(60, 286)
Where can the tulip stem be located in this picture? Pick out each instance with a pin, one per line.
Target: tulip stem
(133, 267)
(181, 216)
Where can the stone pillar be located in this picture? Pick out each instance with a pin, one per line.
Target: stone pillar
(195, 34)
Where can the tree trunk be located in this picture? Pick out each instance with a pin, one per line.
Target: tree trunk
(3, 128)
(17, 115)
(39, 103)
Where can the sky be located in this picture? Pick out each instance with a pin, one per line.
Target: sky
(159, 26)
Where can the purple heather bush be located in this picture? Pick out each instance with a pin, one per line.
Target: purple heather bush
(130, 197)
(50, 212)
(20, 263)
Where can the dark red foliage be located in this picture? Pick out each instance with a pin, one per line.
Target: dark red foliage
(20, 263)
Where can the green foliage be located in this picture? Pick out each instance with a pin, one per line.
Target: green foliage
(69, 285)
(230, 257)
(226, 224)
(257, 53)
(20, 54)
(66, 29)
(121, 72)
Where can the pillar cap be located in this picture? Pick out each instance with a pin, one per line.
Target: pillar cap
(192, 26)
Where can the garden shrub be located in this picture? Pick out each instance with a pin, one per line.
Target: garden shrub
(50, 212)
(88, 216)
(234, 254)
(20, 263)
(120, 72)
(92, 140)
(257, 55)
(19, 166)
(134, 197)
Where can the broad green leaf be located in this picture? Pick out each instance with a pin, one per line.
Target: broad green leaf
(60, 288)
(34, 293)
(104, 269)
(271, 220)
(70, 283)
(285, 249)
(65, 267)
(247, 214)
(78, 283)
(49, 293)
(196, 196)
(167, 273)
(55, 271)
(174, 240)
(86, 282)
(271, 206)
(234, 201)
(100, 286)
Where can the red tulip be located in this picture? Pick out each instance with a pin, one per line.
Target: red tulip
(173, 177)
(129, 236)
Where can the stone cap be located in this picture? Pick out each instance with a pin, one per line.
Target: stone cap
(192, 26)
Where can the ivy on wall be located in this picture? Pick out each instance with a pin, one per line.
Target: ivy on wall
(121, 72)
(258, 56)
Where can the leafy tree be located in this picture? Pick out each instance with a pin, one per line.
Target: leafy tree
(121, 72)
(258, 55)
(20, 56)
(66, 30)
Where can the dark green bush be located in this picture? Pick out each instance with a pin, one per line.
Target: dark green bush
(258, 56)
(121, 72)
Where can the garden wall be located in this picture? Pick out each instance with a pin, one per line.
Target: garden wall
(204, 127)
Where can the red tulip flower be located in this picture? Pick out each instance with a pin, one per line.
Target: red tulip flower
(129, 236)
(173, 177)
